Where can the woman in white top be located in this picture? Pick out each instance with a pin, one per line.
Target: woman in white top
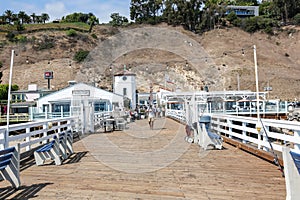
(151, 115)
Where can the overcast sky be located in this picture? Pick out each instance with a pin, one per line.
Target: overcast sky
(56, 9)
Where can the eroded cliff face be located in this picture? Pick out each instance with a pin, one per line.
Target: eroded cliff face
(225, 59)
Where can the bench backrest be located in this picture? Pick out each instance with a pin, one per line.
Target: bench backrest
(6, 151)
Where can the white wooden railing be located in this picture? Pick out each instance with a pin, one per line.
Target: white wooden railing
(32, 134)
(176, 114)
(243, 129)
(279, 132)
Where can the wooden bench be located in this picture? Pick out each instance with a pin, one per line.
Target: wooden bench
(291, 161)
(50, 151)
(10, 165)
(58, 149)
(207, 137)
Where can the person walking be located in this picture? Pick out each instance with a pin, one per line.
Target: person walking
(151, 116)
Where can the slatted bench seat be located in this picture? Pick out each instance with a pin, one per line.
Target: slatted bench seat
(50, 151)
(10, 165)
(58, 149)
(291, 161)
(207, 137)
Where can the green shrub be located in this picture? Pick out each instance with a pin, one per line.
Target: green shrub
(20, 27)
(297, 19)
(10, 36)
(269, 30)
(231, 16)
(21, 38)
(81, 55)
(71, 33)
(94, 36)
(1, 64)
(237, 22)
(251, 25)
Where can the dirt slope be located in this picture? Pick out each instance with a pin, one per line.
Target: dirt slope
(278, 61)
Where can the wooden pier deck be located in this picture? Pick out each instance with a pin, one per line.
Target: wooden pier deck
(139, 163)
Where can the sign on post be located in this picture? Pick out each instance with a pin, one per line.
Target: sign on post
(48, 75)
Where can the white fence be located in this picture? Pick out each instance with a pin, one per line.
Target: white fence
(243, 129)
(33, 134)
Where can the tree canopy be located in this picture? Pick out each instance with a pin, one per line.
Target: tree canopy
(4, 90)
(201, 15)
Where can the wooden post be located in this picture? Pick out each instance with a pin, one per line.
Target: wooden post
(28, 148)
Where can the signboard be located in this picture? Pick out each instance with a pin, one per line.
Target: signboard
(268, 88)
(48, 75)
(81, 93)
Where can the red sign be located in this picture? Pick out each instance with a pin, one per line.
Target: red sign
(48, 75)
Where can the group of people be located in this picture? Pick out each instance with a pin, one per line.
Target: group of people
(151, 112)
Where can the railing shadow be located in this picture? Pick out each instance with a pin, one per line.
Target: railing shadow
(27, 162)
(24, 192)
(76, 157)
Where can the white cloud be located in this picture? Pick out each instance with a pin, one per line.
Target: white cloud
(55, 10)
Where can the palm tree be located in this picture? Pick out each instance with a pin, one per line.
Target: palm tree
(33, 15)
(27, 19)
(92, 21)
(38, 19)
(22, 16)
(45, 17)
(8, 16)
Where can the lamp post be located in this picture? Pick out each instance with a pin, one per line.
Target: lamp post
(151, 90)
(166, 76)
(8, 99)
(112, 79)
(258, 125)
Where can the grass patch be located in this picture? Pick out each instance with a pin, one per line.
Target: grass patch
(82, 27)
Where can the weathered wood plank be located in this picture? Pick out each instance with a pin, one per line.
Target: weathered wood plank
(139, 163)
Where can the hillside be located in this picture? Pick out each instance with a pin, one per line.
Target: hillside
(278, 61)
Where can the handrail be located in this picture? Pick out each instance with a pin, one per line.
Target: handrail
(33, 133)
(243, 129)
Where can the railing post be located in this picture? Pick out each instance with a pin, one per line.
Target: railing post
(58, 124)
(61, 111)
(2, 137)
(31, 113)
(27, 139)
(229, 124)
(244, 124)
(46, 112)
(45, 128)
(218, 126)
(265, 139)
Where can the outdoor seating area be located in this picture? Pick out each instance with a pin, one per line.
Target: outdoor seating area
(10, 165)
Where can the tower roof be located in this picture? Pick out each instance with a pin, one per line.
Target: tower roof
(124, 73)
